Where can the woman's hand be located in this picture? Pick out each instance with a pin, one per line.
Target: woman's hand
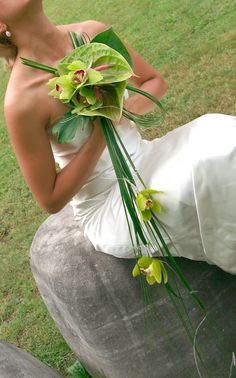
(97, 137)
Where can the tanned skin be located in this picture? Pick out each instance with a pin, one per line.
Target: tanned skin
(30, 112)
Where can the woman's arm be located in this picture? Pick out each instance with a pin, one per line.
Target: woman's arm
(31, 143)
(149, 80)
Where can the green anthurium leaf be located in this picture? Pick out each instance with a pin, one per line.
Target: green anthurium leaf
(146, 215)
(150, 280)
(144, 261)
(94, 76)
(88, 92)
(156, 207)
(96, 54)
(141, 202)
(67, 127)
(136, 271)
(111, 104)
(108, 37)
(156, 268)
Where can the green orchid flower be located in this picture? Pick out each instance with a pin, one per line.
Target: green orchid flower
(83, 74)
(146, 204)
(152, 268)
(62, 88)
(79, 76)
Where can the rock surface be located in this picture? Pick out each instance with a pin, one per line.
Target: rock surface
(16, 363)
(99, 309)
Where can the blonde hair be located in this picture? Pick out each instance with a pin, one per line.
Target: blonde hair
(6, 42)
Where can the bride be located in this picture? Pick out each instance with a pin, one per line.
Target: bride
(194, 166)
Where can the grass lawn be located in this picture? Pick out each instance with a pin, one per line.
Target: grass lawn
(193, 44)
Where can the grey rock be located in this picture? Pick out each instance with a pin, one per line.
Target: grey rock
(16, 363)
(99, 309)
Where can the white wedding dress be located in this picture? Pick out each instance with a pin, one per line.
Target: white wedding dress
(195, 167)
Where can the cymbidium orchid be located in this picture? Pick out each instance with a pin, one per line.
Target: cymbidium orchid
(62, 87)
(146, 203)
(152, 268)
(79, 75)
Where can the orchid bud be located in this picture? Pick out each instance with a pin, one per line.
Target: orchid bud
(102, 67)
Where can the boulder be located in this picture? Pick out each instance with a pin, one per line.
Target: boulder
(99, 309)
(16, 363)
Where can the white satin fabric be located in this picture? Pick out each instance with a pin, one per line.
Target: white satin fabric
(194, 165)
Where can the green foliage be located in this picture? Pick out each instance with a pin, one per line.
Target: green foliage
(193, 45)
(96, 54)
(78, 371)
(109, 38)
(81, 83)
(66, 128)
(112, 102)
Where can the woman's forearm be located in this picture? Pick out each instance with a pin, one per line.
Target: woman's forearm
(140, 104)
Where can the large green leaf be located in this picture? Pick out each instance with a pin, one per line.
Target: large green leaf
(112, 103)
(97, 54)
(66, 128)
(109, 38)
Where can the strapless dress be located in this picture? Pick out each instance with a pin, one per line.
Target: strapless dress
(193, 165)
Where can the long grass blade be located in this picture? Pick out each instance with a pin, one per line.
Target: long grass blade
(39, 66)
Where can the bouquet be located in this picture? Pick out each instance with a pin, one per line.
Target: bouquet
(91, 80)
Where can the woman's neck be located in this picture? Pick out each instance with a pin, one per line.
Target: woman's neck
(40, 40)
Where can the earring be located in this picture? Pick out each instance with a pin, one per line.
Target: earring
(8, 33)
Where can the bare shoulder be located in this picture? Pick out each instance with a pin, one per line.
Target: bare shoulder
(26, 97)
(91, 27)
(22, 106)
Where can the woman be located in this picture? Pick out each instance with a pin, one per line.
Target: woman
(197, 200)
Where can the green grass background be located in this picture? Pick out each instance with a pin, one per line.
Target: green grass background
(193, 44)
